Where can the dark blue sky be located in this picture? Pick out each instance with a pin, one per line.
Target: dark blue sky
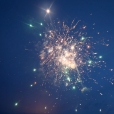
(19, 48)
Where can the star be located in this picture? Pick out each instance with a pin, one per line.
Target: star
(73, 87)
(48, 10)
(16, 104)
(34, 69)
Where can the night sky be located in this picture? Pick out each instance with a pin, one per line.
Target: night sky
(25, 87)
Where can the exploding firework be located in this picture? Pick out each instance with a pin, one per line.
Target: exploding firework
(66, 53)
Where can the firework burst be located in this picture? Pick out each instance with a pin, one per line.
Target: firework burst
(66, 53)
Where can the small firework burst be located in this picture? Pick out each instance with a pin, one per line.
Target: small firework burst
(67, 53)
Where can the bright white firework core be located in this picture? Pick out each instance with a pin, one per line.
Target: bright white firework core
(67, 59)
(48, 10)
